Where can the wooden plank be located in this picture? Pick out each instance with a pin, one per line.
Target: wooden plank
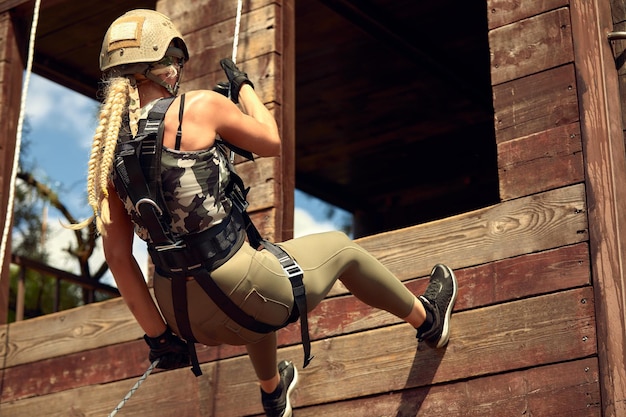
(165, 394)
(540, 162)
(530, 46)
(193, 14)
(567, 389)
(502, 12)
(537, 331)
(209, 45)
(531, 224)
(87, 327)
(535, 103)
(286, 91)
(261, 176)
(264, 72)
(605, 165)
(520, 277)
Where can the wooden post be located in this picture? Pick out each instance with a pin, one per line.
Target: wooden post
(605, 166)
(11, 68)
(288, 118)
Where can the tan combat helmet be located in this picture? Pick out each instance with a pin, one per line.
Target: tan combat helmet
(138, 39)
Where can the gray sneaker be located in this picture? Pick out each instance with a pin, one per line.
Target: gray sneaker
(439, 299)
(278, 403)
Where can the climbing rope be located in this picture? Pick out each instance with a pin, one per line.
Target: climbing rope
(18, 140)
(234, 55)
(134, 388)
(237, 26)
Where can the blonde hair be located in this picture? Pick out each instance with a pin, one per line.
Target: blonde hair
(121, 99)
(119, 114)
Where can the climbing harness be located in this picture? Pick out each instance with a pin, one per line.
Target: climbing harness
(137, 168)
(134, 388)
(18, 141)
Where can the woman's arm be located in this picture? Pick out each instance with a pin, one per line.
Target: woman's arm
(117, 239)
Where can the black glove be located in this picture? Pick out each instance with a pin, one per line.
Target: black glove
(236, 77)
(222, 87)
(169, 348)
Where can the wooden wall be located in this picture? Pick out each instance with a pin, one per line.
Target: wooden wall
(538, 327)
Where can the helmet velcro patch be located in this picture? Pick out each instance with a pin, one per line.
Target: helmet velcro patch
(126, 33)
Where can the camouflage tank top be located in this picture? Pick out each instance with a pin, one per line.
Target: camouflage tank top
(193, 184)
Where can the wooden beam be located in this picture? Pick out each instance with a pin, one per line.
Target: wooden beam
(287, 118)
(68, 276)
(605, 167)
(11, 69)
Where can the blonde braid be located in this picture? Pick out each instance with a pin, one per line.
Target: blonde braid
(103, 148)
(118, 94)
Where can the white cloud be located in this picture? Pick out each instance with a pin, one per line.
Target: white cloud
(51, 107)
(305, 224)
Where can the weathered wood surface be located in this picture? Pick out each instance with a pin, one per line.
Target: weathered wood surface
(531, 332)
(208, 45)
(605, 167)
(11, 69)
(532, 224)
(261, 176)
(565, 390)
(540, 162)
(88, 327)
(530, 46)
(502, 12)
(480, 286)
(535, 103)
(525, 225)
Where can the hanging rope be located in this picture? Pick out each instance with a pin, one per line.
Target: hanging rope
(18, 140)
(134, 388)
(234, 55)
(237, 26)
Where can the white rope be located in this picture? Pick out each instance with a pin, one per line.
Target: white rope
(134, 388)
(18, 140)
(234, 55)
(237, 26)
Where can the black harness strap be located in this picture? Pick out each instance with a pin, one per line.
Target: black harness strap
(295, 275)
(179, 298)
(129, 169)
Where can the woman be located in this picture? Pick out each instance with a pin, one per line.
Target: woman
(142, 58)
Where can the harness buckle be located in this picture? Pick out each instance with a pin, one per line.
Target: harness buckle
(290, 266)
(179, 244)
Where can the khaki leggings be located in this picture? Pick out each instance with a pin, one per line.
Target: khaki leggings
(257, 283)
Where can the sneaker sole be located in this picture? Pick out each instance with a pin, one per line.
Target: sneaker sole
(445, 333)
(288, 409)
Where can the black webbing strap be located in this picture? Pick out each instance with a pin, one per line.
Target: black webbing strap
(224, 302)
(295, 275)
(130, 172)
(179, 299)
(289, 265)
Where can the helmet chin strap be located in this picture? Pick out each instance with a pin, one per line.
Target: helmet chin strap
(172, 89)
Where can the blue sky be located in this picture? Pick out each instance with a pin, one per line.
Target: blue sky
(60, 127)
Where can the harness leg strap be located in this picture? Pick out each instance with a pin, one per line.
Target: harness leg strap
(300, 300)
(295, 275)
(179, 299)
